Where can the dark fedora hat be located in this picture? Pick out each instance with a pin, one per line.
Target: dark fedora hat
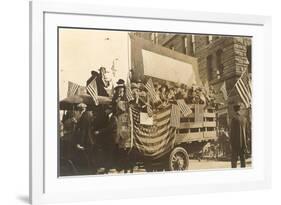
(120, 82)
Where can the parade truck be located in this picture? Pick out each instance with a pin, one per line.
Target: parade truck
(165, 139)
(169, 148)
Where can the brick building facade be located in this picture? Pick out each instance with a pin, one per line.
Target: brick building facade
(221, 59)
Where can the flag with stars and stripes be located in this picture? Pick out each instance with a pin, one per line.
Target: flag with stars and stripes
(129, 93)
(92, 90)
(184, 108)
(72, 88)
(175, 116)
(244, 89)
(151, 90)
(157, 139)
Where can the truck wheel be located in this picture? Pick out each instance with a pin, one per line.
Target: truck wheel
(178, 159)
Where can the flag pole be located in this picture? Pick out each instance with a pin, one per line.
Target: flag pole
(236, 82)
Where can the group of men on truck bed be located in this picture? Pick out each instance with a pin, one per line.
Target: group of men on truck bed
(85, 129)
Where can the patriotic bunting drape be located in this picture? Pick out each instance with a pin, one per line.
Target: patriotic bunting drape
(154, 140)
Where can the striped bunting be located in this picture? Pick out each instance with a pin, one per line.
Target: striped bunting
(92, 89)
(175, 116)
(151, 90)
(244, 90)
(72, 88)
(184, 108)
(153, 140)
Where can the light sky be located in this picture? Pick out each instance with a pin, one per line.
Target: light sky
(84, 50)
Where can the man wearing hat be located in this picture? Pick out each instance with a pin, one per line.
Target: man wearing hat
(106, 137)
(83, 126)
(238, 137)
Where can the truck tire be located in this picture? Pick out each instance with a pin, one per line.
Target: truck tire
(178, 160)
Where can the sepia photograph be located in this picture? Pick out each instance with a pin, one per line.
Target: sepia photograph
(149, 101)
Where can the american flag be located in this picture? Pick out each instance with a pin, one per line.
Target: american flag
(149, 110)
(151, 90)
(175, 116)
(154, 140)
(72, 88)
(92, 89)
(244, 89)
(184, 108)
(129, 94)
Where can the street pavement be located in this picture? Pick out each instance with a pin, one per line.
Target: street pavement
(195, 165)
(213, 164)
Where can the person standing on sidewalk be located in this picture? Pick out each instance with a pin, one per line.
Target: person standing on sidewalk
(238, 137)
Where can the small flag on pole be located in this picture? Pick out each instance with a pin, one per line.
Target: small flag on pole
(129, 93)
(224, 91)
(92, 89)
(151, 90)
(175, 116)
(72, 88)
(149, 110)
(184, 108)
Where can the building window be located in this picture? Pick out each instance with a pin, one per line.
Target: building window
(220, 67)
(210, 66)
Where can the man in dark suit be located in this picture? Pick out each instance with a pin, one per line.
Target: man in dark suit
(84, 127)
(83, 138)
(238, 137)
(105, 136)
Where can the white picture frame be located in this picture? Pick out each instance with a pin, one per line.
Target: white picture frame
(46, 187)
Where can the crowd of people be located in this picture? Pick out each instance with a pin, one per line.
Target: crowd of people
(138, 93)
(89, 129)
